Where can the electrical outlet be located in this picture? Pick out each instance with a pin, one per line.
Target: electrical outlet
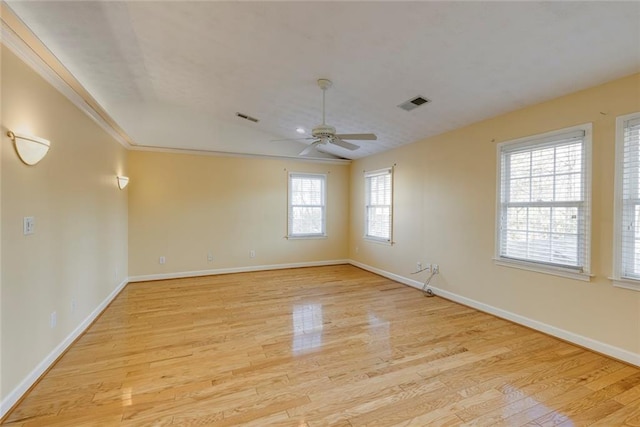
(210, 257)
(436, 268)
(418, 266)
(53, 320)
(252, 253)
(162, 260)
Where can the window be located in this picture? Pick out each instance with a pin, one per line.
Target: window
(627, 211)
(379, 208)
(544, 202)
(307, 205)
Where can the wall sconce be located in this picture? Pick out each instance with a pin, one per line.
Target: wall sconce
(122, 181)
(31, 149)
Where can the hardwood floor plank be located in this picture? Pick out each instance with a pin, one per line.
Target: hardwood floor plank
(319, 346)
(627, 416)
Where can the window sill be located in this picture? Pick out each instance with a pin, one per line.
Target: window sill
(631, 284)
(546, 269)
(306, 237)
(384, 242)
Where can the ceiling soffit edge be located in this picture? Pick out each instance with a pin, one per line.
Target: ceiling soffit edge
(23, 43)
(233, 154)
(18, 38)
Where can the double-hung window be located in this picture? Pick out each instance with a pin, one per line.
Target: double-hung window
(627, 208)
(544, 202)
(307, 205)
(379, 205)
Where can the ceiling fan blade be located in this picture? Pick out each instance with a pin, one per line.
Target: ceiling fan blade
(309, 148)
(358, 136)
(344, 144)
(291, 139)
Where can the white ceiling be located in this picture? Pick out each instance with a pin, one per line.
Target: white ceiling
(173, 74)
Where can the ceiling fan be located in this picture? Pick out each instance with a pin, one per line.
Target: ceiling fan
(325, 134)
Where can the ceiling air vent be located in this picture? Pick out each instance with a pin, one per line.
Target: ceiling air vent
(414, 103)
(244, 116)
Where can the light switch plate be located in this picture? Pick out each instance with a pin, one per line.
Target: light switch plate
(28, 225)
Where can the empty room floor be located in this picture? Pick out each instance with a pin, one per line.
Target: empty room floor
(318, 346)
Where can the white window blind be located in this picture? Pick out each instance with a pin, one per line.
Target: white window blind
(544, 206)
(379, 204)
(630, 212)
(307, 205)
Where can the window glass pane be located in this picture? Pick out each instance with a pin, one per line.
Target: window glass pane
(307, 220)
(568, 187)
(380, 190)
(516, 244)
(306, 191)
(520, 165)
(540, 219)
(631, 169)
(538, 246)
(379, 222)
(306, 204)
(564, 249)
(569, 158)
(542, 161)
(635, 231)
(378, 208)
(517, 219)
(628, 215)
(542, 189)
(565, 220)
(543, 207)
(519, 190)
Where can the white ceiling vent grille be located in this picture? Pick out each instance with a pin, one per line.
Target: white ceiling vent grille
(414, 103)
(246, 117)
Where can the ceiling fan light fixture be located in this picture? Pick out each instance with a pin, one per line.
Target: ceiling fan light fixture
(324, 134)
(325, 84)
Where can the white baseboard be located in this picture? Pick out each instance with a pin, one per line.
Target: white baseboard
(183, 274)
(7, 403)
(598, 346)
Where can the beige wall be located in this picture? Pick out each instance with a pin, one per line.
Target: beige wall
(445, 205)
(186, 206)
(2, 393)
(90, 236)
(79, 249)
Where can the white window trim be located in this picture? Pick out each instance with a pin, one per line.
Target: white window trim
(585, 274)
(542, 268)
(306, 236)
(323, 234)
(617, 278)
(374, 239)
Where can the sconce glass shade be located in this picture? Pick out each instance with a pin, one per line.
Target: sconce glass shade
(123, 181)
(31, 149)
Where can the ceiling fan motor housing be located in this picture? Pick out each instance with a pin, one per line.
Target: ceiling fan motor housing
(323, 131)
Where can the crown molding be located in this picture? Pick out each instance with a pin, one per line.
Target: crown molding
(201, 152)
(16, 36)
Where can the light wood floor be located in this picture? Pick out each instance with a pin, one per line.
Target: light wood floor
(320, 346)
